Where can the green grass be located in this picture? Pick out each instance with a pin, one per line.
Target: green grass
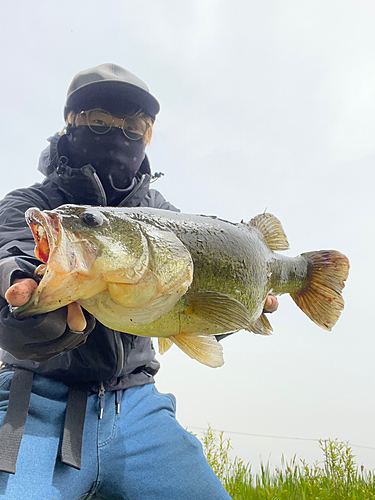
(337, 477)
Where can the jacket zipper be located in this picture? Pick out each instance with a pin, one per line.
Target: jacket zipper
(120, 353)
(101, 188)
(137, 187)
(119, 345)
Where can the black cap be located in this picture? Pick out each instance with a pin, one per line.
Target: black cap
(110, 87)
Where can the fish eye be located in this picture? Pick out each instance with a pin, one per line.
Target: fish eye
(92, 219)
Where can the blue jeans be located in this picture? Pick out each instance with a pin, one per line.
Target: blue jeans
(142, 453)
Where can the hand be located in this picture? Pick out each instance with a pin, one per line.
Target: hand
(22, 289)
(271, 304)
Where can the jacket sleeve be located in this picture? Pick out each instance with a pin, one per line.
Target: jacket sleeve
(40, 337)
(155, 199)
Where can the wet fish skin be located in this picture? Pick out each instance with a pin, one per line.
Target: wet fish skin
(182, 278)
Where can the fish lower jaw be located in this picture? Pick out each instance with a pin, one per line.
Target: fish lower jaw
(56, 291)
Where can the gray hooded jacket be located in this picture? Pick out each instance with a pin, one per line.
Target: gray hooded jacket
(44, 343)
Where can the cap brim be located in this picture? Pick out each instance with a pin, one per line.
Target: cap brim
(113, 95)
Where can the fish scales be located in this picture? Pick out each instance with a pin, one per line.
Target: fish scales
(223, 256)
(179, 277)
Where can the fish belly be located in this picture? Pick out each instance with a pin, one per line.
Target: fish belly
(174, 322)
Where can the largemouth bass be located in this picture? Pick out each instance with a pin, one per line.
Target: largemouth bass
(181, 278)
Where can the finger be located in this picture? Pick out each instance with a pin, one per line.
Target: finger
(271, 304)
(76, 319)
(18, 294)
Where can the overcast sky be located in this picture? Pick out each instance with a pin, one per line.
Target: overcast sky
(264, 105)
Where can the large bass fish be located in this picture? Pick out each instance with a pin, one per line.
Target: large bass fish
(181, 278)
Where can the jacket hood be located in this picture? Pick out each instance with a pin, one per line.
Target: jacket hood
(82, 185)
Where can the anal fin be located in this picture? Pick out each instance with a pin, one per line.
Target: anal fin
(204, 348)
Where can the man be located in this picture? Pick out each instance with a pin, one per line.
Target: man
(81, 415)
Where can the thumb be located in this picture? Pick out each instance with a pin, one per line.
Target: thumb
(76, 319)
(20, 292)
(271, 304)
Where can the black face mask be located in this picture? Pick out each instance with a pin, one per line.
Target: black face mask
(115, 158)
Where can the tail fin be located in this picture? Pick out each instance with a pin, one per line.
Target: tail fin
(321, 300)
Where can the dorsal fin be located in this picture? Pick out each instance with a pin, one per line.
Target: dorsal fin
(272, 230)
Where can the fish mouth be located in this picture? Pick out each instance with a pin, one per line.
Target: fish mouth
(62, 251)
(67, 261)
(46, 229)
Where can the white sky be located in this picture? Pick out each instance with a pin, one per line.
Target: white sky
(265, 104)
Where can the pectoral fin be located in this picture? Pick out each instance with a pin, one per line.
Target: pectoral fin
(262, 326)
(164, 345)
(219, 309)
(204, 348)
